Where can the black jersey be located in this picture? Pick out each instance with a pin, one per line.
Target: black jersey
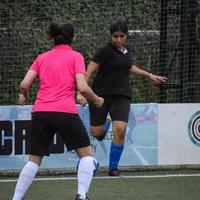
(113, 76)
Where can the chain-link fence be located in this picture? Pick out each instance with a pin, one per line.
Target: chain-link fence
(163, 39)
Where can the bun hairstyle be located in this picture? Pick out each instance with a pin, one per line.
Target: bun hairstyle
(63, 34)
(119, 26)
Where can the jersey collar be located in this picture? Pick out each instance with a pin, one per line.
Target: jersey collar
(114, 47)
(62, 46)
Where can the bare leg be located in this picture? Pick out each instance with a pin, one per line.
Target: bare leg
(119, 132)
(100, 131)
(117, 146)
(97, 131)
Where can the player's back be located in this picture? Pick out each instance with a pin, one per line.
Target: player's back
(56, 71)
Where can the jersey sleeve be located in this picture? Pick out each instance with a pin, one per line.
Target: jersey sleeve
(79, 65)
(35, 65)
(100, 56)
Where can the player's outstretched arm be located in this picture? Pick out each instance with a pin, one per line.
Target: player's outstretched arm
(136, 70)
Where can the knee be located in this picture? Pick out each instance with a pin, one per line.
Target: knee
(89, 163)
(119, 133)
(97, 131)
(36, 159)
(84, 152)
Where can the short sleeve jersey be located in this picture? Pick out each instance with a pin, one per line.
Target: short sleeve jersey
(56, 71)
(113, 76)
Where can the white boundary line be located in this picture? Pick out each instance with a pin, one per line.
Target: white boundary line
(108, 177)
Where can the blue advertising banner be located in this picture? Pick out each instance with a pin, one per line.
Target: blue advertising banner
(141, 146)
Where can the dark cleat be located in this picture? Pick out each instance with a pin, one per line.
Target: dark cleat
(114, 172)
(100, 138)
(78, 197)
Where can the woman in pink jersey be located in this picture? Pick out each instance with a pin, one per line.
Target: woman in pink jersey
(55, 110)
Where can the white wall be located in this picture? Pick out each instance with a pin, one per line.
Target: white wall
(175, 131)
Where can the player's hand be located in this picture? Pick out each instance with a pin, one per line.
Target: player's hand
(157, 79)
(21, 99)
(81, 99)
(99, 102)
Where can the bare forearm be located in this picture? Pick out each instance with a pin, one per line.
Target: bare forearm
(158, 79)
(88, 77)
(23, 96)
(27, 82)
(139, 71)
(25, 92)
(91, 69)
(89, 94)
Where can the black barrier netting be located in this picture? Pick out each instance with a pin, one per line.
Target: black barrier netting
(163, 38)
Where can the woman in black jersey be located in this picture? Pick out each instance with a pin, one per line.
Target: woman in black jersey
(113, 66)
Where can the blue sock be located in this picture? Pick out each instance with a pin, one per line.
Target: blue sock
(115, 155)
(106, 125)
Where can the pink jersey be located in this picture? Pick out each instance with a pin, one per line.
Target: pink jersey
(56, 71)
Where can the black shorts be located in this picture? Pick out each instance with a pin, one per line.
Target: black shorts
(117, 106)
(44, 125)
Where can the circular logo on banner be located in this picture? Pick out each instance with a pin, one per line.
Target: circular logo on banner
(194, 128)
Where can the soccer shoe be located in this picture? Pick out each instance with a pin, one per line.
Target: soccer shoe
(114, 172)
(106, 127)
(78, 197)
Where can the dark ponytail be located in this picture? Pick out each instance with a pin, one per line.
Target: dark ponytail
(53, 30)
(63, 34)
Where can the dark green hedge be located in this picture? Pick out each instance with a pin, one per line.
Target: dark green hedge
(23, 26)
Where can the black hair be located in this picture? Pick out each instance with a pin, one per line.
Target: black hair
(119, 26)
(62, 34)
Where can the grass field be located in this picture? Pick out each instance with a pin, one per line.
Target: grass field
(173, 185)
